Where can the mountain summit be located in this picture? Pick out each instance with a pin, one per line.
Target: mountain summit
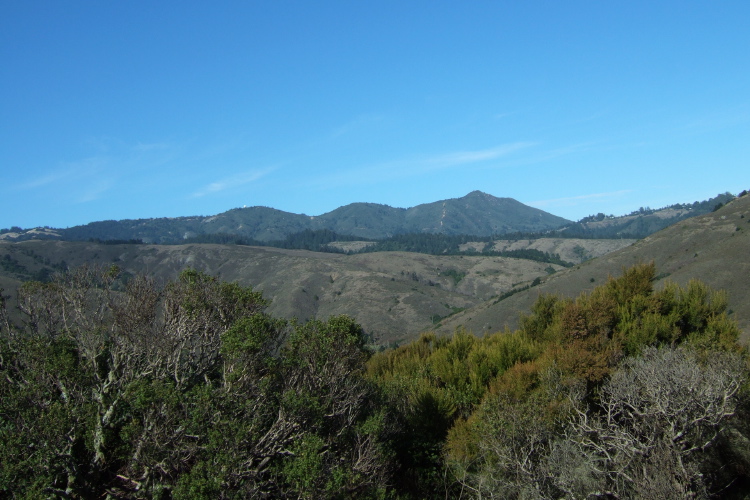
(479, 214)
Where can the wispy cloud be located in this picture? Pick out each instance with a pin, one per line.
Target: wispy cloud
(155, 146)
(465, 157)
(551, 154)
(576, 200)
(91, 178)
(68, 171)
(500, 116)
(96, 190)
(46, 179)
(718, 120)
(232, 181)
(419, 165)
(356, 123)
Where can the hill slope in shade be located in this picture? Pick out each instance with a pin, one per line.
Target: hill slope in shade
(712, 248)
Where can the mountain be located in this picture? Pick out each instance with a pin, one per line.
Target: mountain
(477, 213)
(712, 248)
(365, 220)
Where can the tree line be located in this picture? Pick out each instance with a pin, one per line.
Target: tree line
(432, 244)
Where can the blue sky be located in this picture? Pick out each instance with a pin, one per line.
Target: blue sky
(125, 110)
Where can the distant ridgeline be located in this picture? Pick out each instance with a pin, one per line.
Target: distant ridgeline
(643, 222)
(438, 228)
(476, 213)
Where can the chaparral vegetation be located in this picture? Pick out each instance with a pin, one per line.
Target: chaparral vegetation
(116, 386)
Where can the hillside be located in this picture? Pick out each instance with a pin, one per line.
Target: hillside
(394, 295)
(477, 214)
(712, 248)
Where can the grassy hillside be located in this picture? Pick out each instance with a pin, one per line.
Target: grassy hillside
(642, 222)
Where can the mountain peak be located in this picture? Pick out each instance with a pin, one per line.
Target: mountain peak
(477, 194)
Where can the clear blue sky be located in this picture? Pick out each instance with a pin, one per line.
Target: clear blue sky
(136, 109)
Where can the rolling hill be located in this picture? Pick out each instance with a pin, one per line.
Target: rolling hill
(394, 295)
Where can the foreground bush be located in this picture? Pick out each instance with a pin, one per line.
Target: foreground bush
(184, 391)
(559, 409)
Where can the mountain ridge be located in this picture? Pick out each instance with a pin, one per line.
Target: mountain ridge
(476, 213)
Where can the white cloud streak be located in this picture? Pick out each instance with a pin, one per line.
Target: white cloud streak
(233, 181)
(76, 171)
(357, 123)
(576, 200)
(156, 146)
(408, 167)
(96, 190)
(47, 179)
(466, 157)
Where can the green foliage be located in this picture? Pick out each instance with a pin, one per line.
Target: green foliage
(304, 468)
(314, 240)
(457, 276)
(200, 483)
(581, 345)
(433, 383)
(536, 324)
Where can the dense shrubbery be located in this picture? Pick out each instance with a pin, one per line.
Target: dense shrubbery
(191, 391)
(625, 392)
(313, 240)
(443, 244)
